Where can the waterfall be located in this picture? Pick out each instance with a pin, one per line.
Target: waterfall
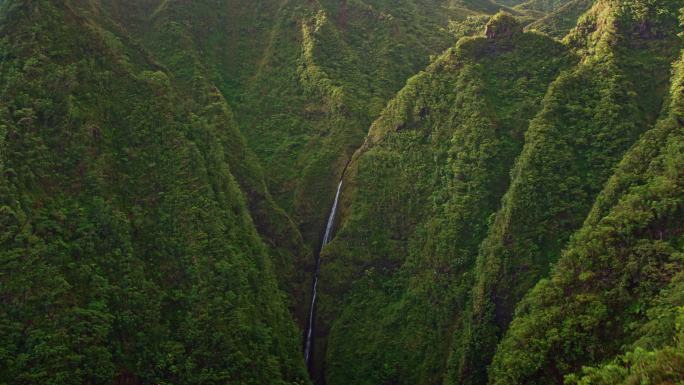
(327, 237)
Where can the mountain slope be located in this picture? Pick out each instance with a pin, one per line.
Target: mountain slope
(118, 124)
(618, 285)
(590, 117)
(513, 215)
(417, 213)
(128, 251)
(421, 190)
(157, 28)
(559, 21)
(305, 78)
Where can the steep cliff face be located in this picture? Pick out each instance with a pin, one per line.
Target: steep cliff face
(449, 218)
(431, 173)
(128, 250)
(303, 81)
(617, 289)
(141, 141)
(512, 214)
(332, 67)
(323, 72)
(591, 115)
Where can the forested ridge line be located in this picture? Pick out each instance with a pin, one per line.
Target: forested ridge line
(510, 209)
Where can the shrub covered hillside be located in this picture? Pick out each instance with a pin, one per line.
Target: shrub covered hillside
(421, 192)
(615, 300)
(128, 254)
(140, 238)
(511, 209)
(590, 116)
(558, 21)
(470, 185)
(303, 79)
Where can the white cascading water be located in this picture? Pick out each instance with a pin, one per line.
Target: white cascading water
(327, 237)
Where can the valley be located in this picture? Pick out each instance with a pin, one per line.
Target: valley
(341, 192)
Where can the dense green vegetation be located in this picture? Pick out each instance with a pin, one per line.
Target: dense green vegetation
(590, 117)
(559, 21)
(438, 245)
(511, 213)
(305, 78)
(132, 207)
(125, 237)
(431, 174)
(618, 286)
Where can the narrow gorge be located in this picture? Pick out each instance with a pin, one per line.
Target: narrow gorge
(327, 237)
(342, 192)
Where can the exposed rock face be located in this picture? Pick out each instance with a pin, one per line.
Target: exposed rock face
(502, 26)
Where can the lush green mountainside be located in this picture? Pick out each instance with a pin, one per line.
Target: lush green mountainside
(171, 43)
(590, 117)
(321, 73)
(305, 79)
(431, 173)
(618, 286)
(127, 183)
(318, 71)
(511, 207)
(125, 236)
(405, 299)
(351, 58)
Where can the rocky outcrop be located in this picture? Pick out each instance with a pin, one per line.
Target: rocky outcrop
(503, 26)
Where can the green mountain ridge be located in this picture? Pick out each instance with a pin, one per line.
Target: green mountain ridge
(125, 234)
(634, 239)
(521, 242)
(590, 117)
(425, 137)
(511, 205)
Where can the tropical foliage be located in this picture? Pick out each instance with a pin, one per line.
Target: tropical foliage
(511, 211)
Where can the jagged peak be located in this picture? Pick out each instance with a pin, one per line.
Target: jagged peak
(503, 26)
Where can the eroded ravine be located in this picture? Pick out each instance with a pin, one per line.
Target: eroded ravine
(327, 237)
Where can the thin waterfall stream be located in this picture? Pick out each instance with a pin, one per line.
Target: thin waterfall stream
(327, 237)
